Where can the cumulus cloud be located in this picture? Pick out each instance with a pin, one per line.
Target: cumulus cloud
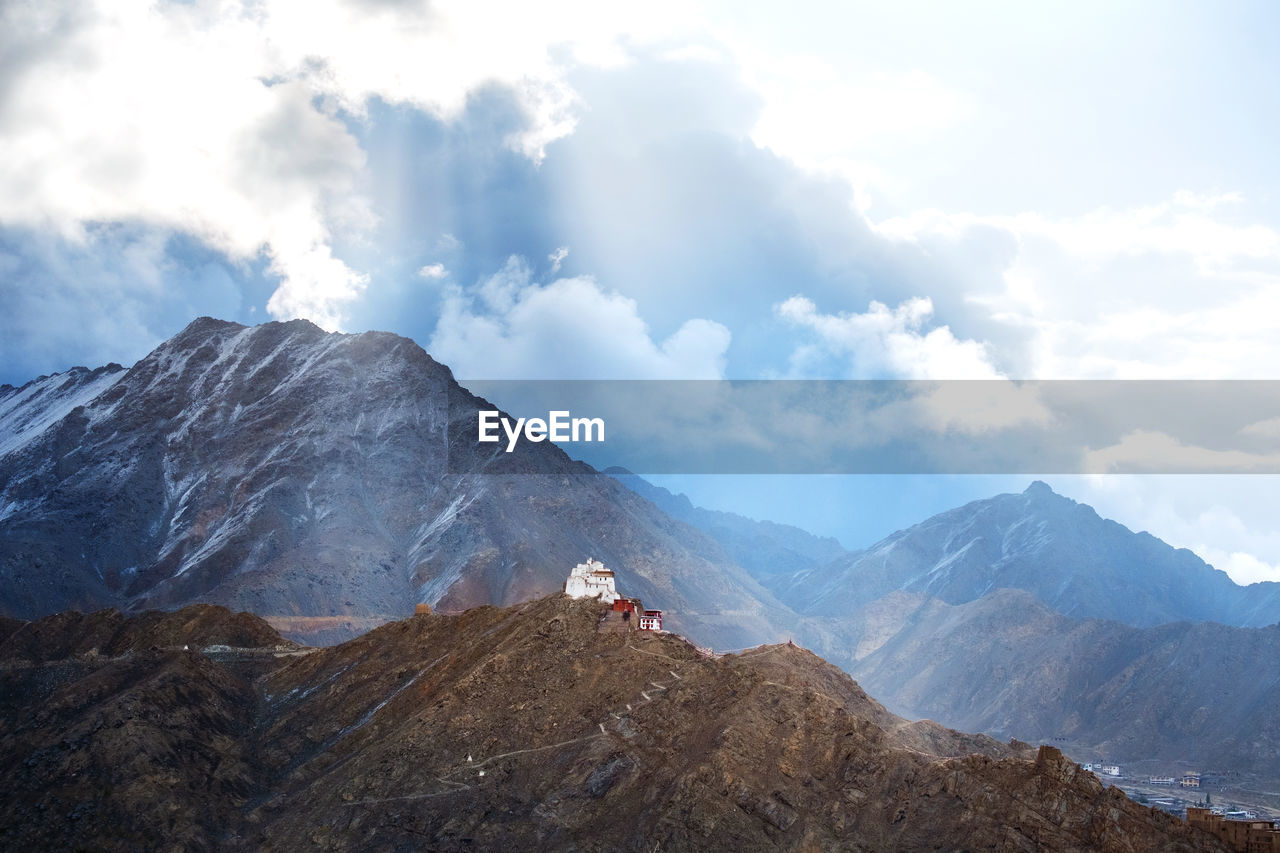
(817, 117)
(230, 121)
(171, 117)
(1178, 289)
(883, 343)
(433, 271)
(511, 327)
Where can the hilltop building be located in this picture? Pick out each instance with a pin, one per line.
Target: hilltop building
(591, 580)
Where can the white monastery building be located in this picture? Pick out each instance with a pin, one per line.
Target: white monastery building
(591, 580)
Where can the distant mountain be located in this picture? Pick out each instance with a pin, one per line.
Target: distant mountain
(768, 550)
(921, 621)
(1008, 665)
(300, 474)
(1060, 551)
(519, 728)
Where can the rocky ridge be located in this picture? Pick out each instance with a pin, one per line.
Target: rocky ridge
(521, 726)
(1061, 551)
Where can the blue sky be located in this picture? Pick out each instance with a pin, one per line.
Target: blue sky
(682, 190)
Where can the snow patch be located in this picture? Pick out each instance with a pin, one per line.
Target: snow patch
(33, 409)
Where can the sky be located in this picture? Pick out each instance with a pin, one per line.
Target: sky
(1079, 190)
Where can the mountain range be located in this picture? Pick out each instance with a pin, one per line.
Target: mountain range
(330, 482)
(1028, 615)
(1060, 551)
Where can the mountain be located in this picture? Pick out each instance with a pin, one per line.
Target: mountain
(517, 728)
(766, 549)
(303, 475)
(1060, 551)
(1007, 664)
(921, 621)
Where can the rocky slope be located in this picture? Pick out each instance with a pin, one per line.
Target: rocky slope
(1059, 550)
(521, 727)
(300, 474)
(112, 633)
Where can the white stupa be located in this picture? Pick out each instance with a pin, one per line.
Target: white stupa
(591, 580)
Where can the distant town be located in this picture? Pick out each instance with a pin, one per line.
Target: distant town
(1188, 795)
(1216, 792)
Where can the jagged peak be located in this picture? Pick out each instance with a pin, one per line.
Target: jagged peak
(1039, 488)
(205, 325)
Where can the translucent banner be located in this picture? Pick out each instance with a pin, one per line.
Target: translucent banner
(873, 427)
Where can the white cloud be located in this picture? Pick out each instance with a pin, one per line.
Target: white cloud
(1180, 289)
(557, 257)
(818, 111)
(884, 343)
(812, 113)
(224, 120)
(1226, 520)
(1183, 226)
(822, 118)
(159, 115)
(511, 327)
(1243, 568)
(433, 271)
